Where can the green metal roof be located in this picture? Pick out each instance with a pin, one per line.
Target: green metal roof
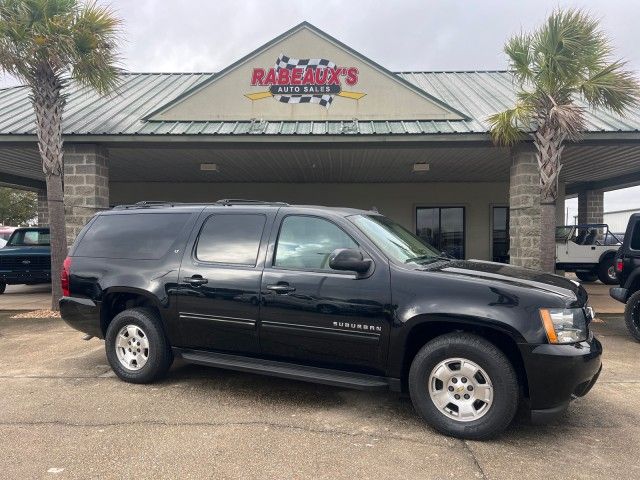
(477, 94)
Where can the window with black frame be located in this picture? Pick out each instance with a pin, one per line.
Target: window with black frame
(500, 234)
(443, 228)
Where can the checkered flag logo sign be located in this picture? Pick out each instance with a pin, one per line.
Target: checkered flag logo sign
(304, 80)
(290, 63)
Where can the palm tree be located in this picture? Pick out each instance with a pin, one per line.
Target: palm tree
(560, 69)
(45, 43)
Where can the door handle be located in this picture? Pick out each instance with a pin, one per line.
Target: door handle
(281, 288)
(196, 280)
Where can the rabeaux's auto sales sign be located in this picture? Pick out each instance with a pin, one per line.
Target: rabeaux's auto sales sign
(304, 80)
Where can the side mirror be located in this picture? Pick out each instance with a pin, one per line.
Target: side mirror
(349, 259)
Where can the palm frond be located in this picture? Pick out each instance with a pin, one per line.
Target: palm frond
(68, 37)
(508, 127)
(96, 38)
(518, 49)
(612, 88)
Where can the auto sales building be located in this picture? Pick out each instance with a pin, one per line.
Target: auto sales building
(306, 119)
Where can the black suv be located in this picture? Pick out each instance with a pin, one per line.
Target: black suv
(628, 270)
(330, 295)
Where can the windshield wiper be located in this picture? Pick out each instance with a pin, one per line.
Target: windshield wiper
(432, 258)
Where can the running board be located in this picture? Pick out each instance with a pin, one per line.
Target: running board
(338, 378)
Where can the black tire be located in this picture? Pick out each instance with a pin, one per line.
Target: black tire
(160, 356)
(587, 276)
(3, 287)
(607, 271)
(488, 357)
(632, 315)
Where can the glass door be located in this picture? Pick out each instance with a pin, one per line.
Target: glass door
(500, 234)
(443, 228)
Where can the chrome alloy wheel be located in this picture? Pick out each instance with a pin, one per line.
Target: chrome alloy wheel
(611, 273)
(460, 389)
(132, 347)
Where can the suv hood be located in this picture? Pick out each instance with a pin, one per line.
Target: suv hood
(516, 276)
(7, 250)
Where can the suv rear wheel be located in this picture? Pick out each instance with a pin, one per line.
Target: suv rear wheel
(3, 287)
(464, 386)
(136, 346)
(632, 315)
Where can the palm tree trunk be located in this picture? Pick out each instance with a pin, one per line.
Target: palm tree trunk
(548, 142)
(48, 104)
(548, 237)
(58, 235)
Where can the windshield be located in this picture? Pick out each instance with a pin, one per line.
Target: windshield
(395, 241)
(29, 238)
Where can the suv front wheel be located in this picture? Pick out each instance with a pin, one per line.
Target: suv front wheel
(464, 386)
(136, 346)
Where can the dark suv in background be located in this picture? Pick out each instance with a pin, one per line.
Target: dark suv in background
(627, 264)
(330, 295)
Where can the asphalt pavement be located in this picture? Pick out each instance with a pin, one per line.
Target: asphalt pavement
(63, 414)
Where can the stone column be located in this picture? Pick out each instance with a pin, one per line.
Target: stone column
(43, 208)
(591, 206)
(524, 208)
(86, 185)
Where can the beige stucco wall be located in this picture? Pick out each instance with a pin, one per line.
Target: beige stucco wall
(386, 97)
(396, 200)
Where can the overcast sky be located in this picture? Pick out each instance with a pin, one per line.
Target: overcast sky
(206, 35)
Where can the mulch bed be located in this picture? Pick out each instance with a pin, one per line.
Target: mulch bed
(38, 314)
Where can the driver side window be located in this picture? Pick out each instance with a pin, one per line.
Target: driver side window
(305, 243)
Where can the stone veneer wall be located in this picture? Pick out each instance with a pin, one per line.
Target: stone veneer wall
(524, 205)
(591, 206)
(43, 209)
(86, 185)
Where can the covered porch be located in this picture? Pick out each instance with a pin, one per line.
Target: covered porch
(459, 194)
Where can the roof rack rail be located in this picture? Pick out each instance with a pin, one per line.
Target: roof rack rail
(147, 204)
(243, 201)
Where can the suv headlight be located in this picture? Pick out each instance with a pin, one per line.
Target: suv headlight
(564, 325)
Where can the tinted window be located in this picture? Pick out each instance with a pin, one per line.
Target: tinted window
(143, 236)
(442, 227)
(305, 243)
(635, 238)
(500, 234)
(231, 239)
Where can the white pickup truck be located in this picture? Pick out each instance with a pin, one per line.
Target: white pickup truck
(588, 250)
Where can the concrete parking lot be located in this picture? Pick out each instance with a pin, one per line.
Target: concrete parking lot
(63, 414)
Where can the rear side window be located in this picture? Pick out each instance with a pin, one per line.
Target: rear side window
(232, 239)
(635, 238)
(143, 236)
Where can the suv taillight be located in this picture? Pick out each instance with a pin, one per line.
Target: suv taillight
(64, 276)
(619, 265)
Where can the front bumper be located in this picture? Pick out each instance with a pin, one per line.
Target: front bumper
(19, 277)
(83, 314)
(558, 373)
(619, 294)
